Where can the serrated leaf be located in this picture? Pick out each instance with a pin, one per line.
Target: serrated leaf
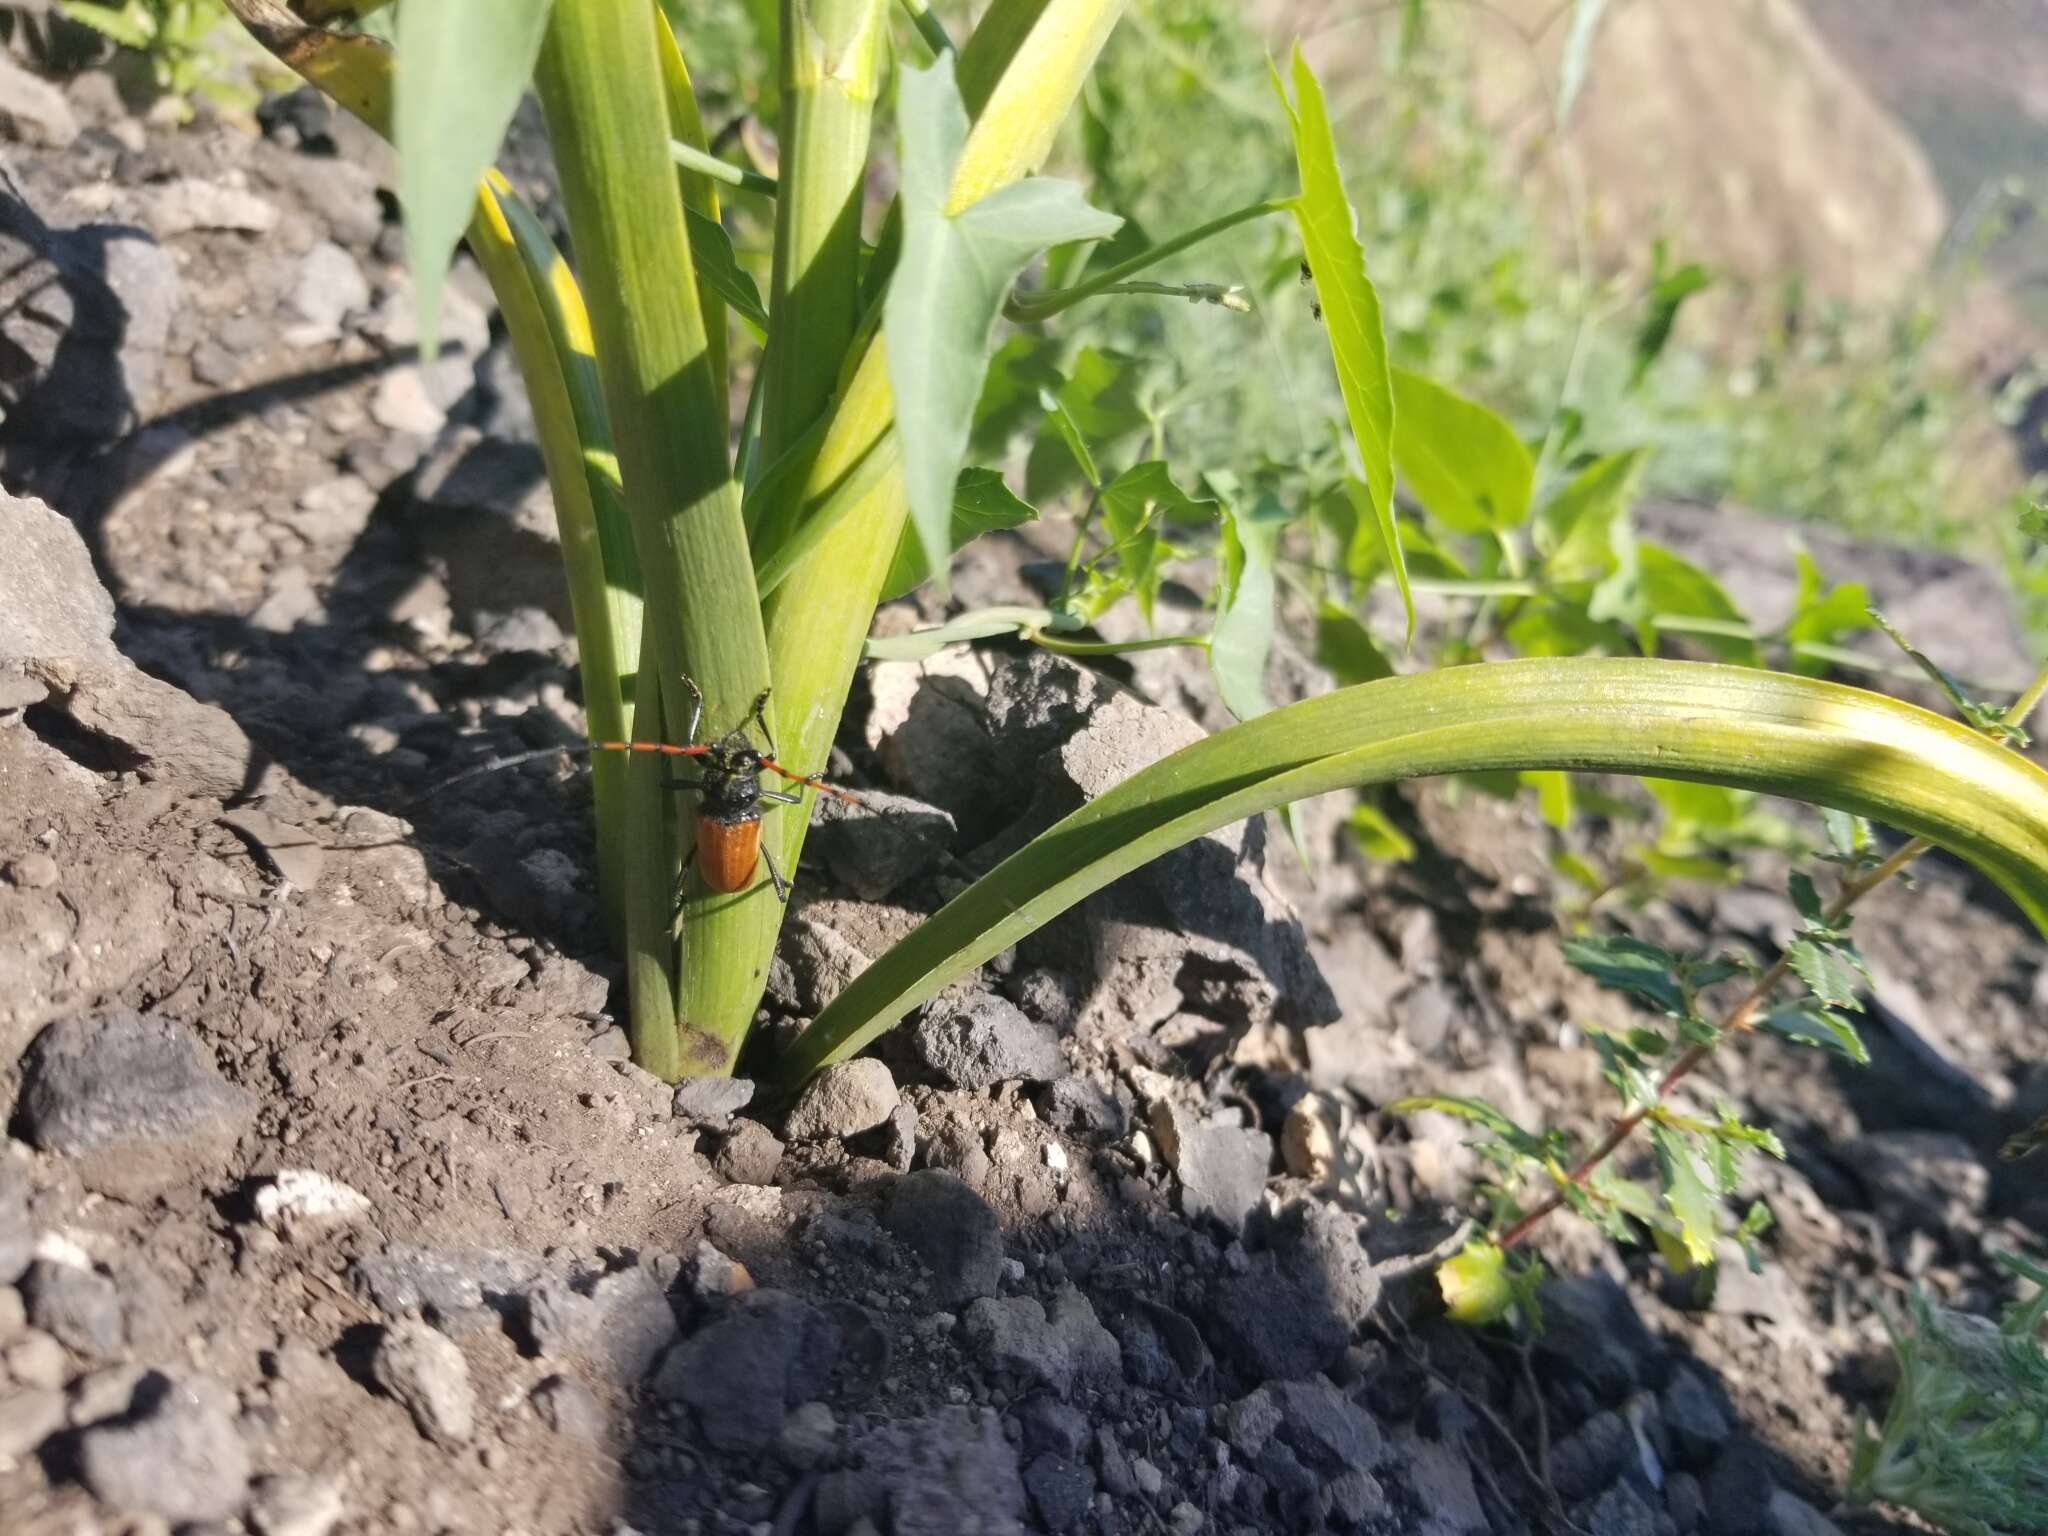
(462, 67)
(1831, 969)
(1461, 461)
(1345, 649)
(982, 503)
(953, 273)
(1624, 1069)
(1805, 898)
(1686, 1193)
(1807, 1023)
(1476, 1110)
(1243, 636)
(1631, 965)
(1850, 834)
(1351, 306)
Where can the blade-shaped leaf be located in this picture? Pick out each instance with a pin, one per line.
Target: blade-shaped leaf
(462, 67)
(1351, 305)
(1751, 729)
(1243, 637)
(982, 503)
(1631, 965)
(720, 270)
(954, 271)
(1578, 55)
(1463, 463)
(1668, 292)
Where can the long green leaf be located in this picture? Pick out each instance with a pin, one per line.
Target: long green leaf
(462, 67)
(1464, 464)
(1770, 732)
(1351, 306)
(950, 282)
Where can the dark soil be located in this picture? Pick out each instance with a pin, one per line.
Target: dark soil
(1115, 1238)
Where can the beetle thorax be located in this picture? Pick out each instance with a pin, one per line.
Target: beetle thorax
(732, 779)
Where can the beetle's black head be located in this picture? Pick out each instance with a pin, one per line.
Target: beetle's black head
(732, 778)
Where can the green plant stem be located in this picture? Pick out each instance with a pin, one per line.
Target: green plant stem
(602, 91)
(1029, 308)
(832, 53)
(1039, 637)
(707, 164)
(929, 27)
(1741, 1017)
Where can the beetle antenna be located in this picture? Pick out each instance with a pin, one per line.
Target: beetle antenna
(566, 749)
(818, 784)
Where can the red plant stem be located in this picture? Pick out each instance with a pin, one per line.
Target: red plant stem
(1740, 1018)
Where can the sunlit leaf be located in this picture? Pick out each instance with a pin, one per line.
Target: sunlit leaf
(1462, 462)
(1376, 836)
(1687, 1193)
(462, 67)
(719, 269)
(1831, 968)
(1668, 587)
(1147, 491)
(1475, 1284)
(1351, 306)
(954, 271)
(1243, 636)
(1553, 794)
(982, 503)
(1578, 524)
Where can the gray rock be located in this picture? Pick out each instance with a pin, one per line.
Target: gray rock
(295, 1506)
(1440, 1487)
(1270, 1327)
(1697, 1416)
(1080, 1106)
(33, 110)
(426, 1372)
(329, 288)
(1060, 1490)
(1325, 1429)
(809, 1438)
(80, 1307)
(812, 966)
(711, 1102)
(1591, 1456)
(987, 1040)
(1353, 1497)
(456, 1289)
(84, 314)
(881, 843)
(1047, 1424)
(1162, 1349)
(1685, 1502)
(569, 1408)
(842, 1101)
(1056, 1347)
(1321, 1245)
(1620, 1511)
(750, 1154)
(28, 1418)
(1222, 1167)
(950, 1228)
(124, 1090)
(622, 1324)
(1739, 1491)
(1593, 1334)
(949, 1473)
(1200, 929)
(1114, 1464)
(744, 1372)
(17, 1237)
(1920, 1181)
(54, 613)
(942, 756)
(896, 1142)
(1789, 1515)
(178, 1456)
(13, 1314)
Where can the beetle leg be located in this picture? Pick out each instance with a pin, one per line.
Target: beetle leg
(759, 716)
(780, 798)
(775, 875)
(683, 878)
(696, 708)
